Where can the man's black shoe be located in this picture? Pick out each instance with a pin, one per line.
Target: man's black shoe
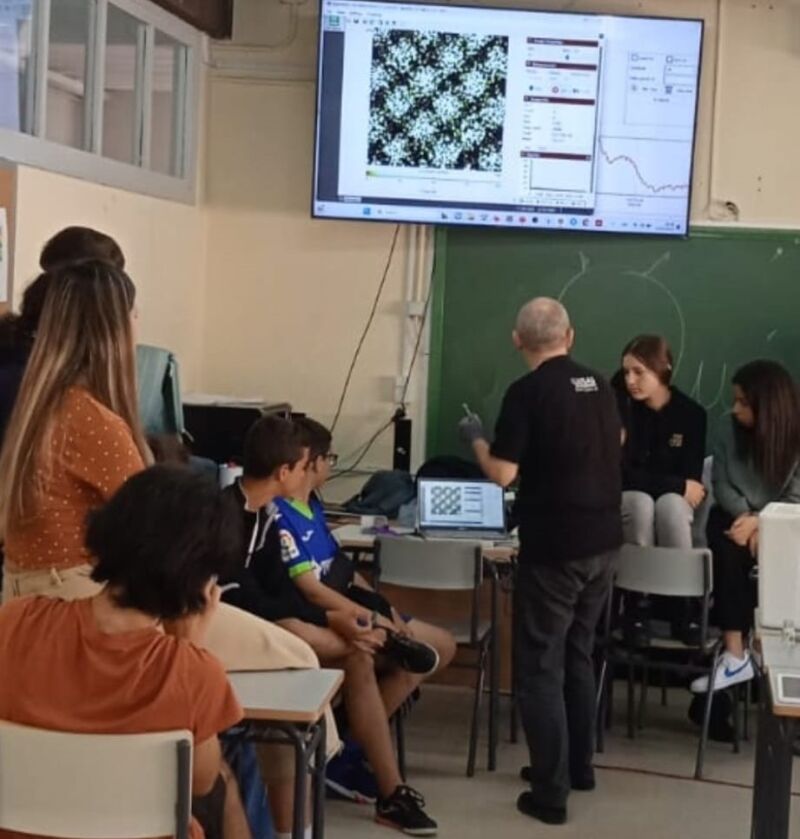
(548, 815)
(584, 784)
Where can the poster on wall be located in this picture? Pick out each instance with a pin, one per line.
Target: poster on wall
(4, 255)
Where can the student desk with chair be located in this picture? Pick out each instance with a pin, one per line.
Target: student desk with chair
(288, 706)
(496, 557)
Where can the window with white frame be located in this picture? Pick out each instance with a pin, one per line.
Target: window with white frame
(101, 89)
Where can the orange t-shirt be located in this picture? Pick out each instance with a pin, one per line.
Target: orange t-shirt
(60, 672)
(93, 454)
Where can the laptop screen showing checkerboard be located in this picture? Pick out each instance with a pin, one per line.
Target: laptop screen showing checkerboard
(465, 505)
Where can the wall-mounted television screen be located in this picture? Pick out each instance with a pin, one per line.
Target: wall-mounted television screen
(466, 115)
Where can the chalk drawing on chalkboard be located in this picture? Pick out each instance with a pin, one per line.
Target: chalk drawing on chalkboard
(697, 387)
(574, 279)
(643, 274)
(777, 255)
(648, 275)
(772, 334)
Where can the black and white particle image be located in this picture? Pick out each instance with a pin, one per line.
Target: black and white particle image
(437, 100)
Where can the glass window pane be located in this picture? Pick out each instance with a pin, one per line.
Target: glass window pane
(119, 101)
(16, 64)
(66, 72)
(168, 97)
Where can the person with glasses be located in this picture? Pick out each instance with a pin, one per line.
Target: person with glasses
(381, 665)
(326, 576)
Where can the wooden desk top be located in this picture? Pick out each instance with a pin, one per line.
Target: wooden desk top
(299, 696)
(352, 537)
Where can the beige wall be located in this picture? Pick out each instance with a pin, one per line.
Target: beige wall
(290, 294)
(164, 243)
(258, 299)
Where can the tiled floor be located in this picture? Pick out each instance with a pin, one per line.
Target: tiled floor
(645, 786)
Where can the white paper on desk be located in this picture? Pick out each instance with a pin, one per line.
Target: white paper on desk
(5, 255)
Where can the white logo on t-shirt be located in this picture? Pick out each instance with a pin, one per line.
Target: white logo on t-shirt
(585, 384)
(306, 537)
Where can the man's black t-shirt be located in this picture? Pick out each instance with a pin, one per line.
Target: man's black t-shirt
(560, 424)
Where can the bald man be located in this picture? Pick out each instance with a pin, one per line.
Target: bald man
(559, 431)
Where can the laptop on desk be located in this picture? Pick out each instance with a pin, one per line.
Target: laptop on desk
(460, 509)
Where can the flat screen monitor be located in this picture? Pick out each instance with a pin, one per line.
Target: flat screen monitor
(456, 115)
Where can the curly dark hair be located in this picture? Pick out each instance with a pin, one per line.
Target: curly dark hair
(162, 537)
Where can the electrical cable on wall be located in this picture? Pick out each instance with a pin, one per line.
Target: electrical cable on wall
(364, 448)
(367, 326)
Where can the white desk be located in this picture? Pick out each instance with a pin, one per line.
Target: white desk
(351, 537)
(286, 695)
(288, 706)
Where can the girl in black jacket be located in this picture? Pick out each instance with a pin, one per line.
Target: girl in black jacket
(665, 437)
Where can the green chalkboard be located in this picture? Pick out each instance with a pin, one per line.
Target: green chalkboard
(720, 297)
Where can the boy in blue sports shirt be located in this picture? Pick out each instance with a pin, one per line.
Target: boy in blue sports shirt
(317, 566)
(381, 668)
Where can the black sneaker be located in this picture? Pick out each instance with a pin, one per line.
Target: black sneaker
(404, 810)
(548, 815)
(585, 783)
(414, 656)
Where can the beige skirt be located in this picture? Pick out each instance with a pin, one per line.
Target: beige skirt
(67, 583)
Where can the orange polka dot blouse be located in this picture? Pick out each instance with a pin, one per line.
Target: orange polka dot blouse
(93, 455)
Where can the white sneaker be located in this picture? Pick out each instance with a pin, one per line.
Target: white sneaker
(730, 671)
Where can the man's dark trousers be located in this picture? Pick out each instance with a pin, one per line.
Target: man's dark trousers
(557, 608)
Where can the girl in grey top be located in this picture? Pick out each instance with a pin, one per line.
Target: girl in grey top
(755, 462)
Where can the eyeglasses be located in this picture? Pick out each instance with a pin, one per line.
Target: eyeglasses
(332, 459)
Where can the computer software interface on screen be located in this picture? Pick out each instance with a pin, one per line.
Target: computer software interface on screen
(464, 115)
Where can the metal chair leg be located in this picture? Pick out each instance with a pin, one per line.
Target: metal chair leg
(701, 747)
(513, 735)
(748, 698)
(514, 715)
(643, 695)
(476, 710)
(609, 700)
(494, 680)
(631, 700)
(735, 695)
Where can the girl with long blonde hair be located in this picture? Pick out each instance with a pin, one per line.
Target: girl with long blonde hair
(74, 435)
